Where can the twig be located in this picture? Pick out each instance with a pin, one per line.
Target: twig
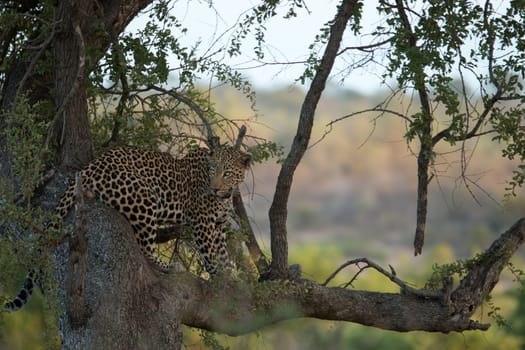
(424, 293)
(258, 257)
(46, 177)
(193, 106)
(378, 108)
(35, 59)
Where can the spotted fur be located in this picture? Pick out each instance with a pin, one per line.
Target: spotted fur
(152, 189)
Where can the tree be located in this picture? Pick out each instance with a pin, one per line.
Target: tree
(65, 61)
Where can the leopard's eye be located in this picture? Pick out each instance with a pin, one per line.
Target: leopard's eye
(227, 173)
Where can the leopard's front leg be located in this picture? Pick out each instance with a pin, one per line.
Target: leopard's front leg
(210, 240)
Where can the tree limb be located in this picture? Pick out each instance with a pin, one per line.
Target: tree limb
(256, 254)
(424, 133)
(249, 309)
(135, 293)
(278, 210)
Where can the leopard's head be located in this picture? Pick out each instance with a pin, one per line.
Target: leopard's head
(227, 169)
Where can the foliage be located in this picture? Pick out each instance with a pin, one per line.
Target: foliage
(519, 276)
(312, 62)
(431, 42)
(459, 268)
(265, 150)
(256, 20)
(23, 141)
(22, 223)
(22, 23)
(516, 321)
(145, 91)
(211, 341)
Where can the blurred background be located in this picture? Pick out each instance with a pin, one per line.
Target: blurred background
(354, 196)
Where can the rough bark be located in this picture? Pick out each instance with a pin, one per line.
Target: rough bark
(278, 210)
(131, 305)
(117, 304)
(405, 311)
(70, 128)
(80, 30)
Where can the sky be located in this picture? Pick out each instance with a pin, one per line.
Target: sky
(286, 40)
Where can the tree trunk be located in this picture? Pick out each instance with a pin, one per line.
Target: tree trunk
(278, 213)
(116, 302)
(70, 129)
(82, 34)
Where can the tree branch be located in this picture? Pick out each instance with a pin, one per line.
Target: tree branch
(193, 106)
(258, 258)
(426, 293)
(278, 209)
(424, 133)
(123, 289)
(273, 301)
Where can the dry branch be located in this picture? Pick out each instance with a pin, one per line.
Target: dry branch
(425, 293)
(256, 254)
(210, 135)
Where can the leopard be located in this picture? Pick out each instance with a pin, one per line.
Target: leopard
(153, 189)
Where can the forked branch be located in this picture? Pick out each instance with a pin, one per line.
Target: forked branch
(425, 293)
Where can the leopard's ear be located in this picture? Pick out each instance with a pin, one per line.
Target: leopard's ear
(246, 160)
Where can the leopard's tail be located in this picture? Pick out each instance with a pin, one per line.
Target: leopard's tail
(33, 278)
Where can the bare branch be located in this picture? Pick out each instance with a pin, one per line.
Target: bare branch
(278, 210)
(124, 97)
(256, 254)
(240, 137)
(424, 133)
(193, 106)
(34, 60)
(365, 48)
(425, 293)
